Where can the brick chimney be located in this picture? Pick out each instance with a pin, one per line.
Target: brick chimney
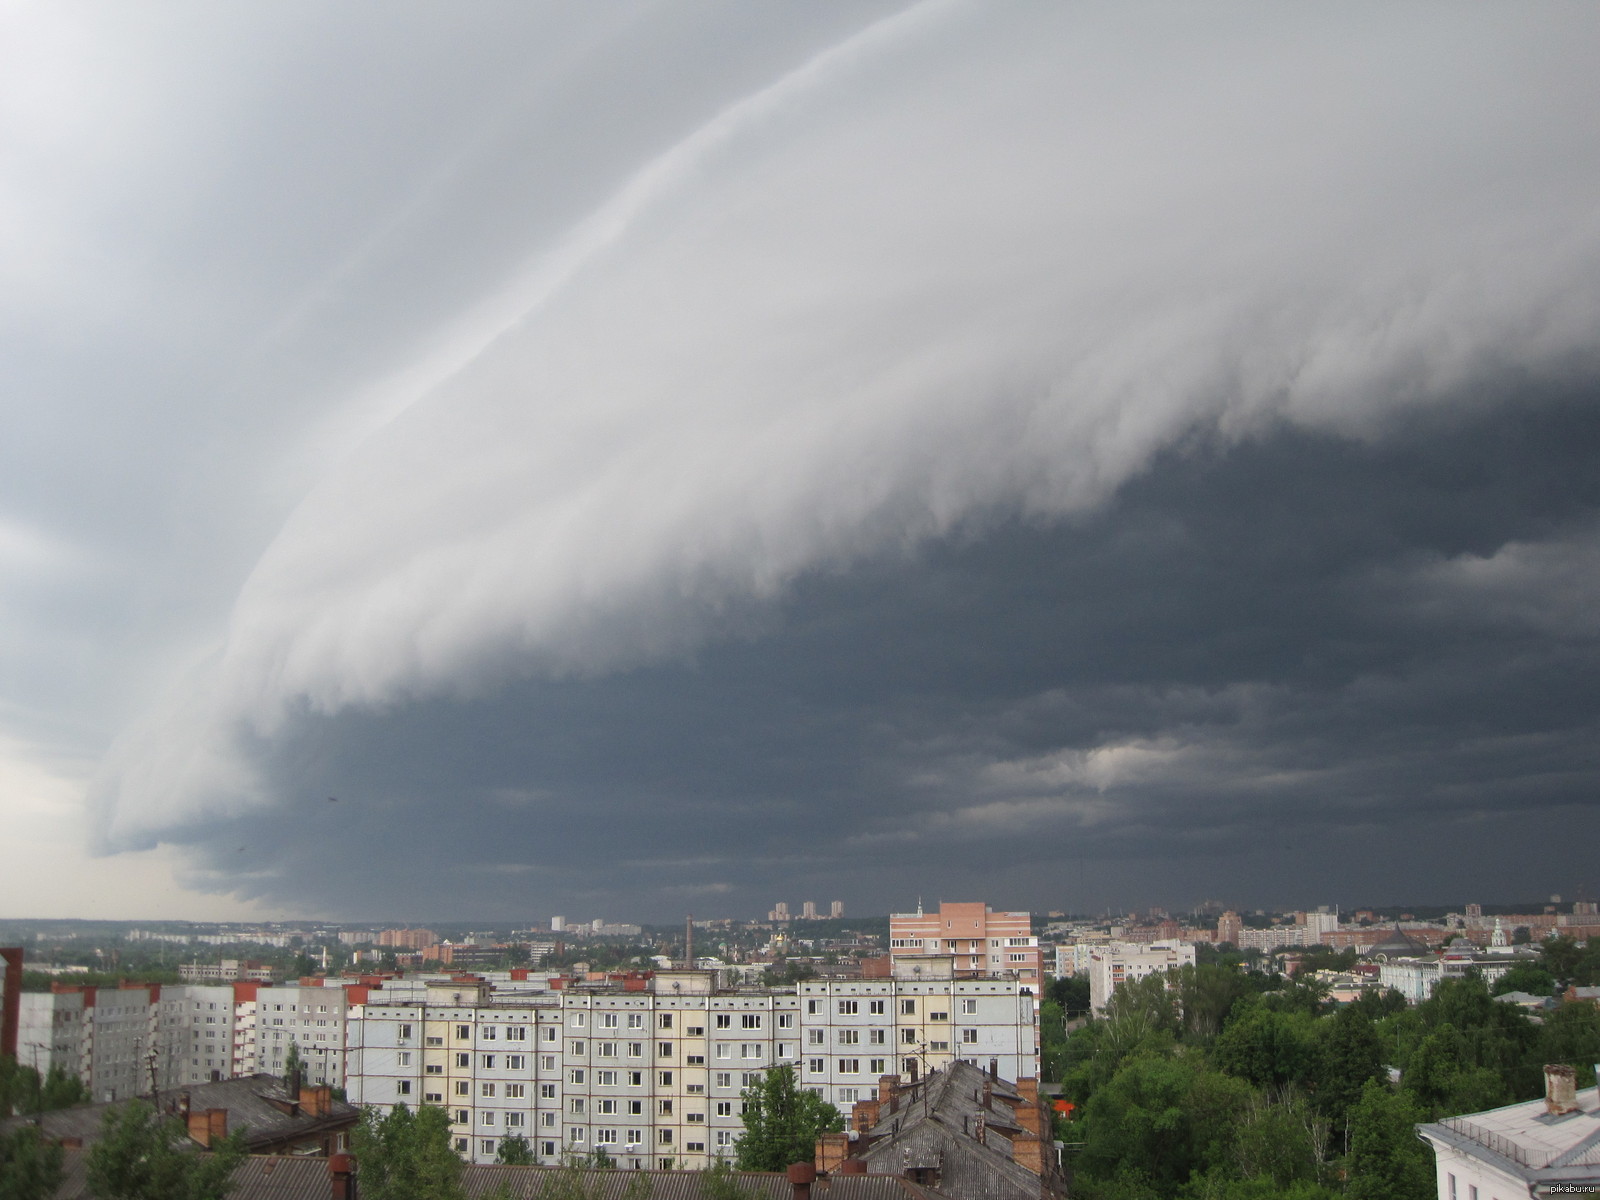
(832, 1149)
(801, 1177)
(887, 1086)
(853, 1166)
(341, 1177)
(1560, 1089)
(317, 1101)
(864, 1115)
(206, 1125)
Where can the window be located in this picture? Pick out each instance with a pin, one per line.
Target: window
(463, 1060)
(875, 1007)
(814, 1037)
(486, 1089)
(664, 1108)
(695, 1060)
(433, 1041)
(813, 1007)
(969, 1007)
(849, 1037)
(724, 1020)
(908, 1036)
(461, 1145)
(636, 1108)
(463, 1117)
(876, 1066)
(548, 1149)
(579, 1019)
(724, 1108)
(608, 1020)
(848, 1008)
(849, 1066)
(547, 1120)
(433, 1097)
(751, 1020)
(605, 1107)
(664, 1136)
(695, 1031)
(664, 1021)
(723, 1079)
(606, 1049)
(750, 1050)
(941, 1016)
(938, 1047)
(489, 1034)
(724, 1050)
(908, 1008)
(635, 1049)
(606, 1078)
(575, 1105)
(516, 1091)
(847, 1095)
(516, 1062)
(547, 1091)
(486, 1145)
(666, 1078)
(876, 1036)
(575, 1075)
(575, 1134)
(785, 1020)
(579, 1048)
(488, 1062)
(663, 1049)
(635, 1078)
(516, 1120)
(405, 1031)
(516, 1033)
(605, 1137)
(463, 1088)
(547, 1062)
(816, 1066)
(635, 1020)
(548, 1033)
(695, 1118)
(486, 1118)
(404, 1087)
(463, 1032)
(724, 1137)
(405, 1058)
(635, 1137)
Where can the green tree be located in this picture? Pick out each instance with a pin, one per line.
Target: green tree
(406, 1155)
(1386, 1160)
(293, 1064)
(1525, 977)
(30, 1167)
(1267, 1048)
(61, 1090)
(1571, 1034)
(142, 1157)
(514, 1151)
(1348, 1055)
(718, 1182)
(782, 1123)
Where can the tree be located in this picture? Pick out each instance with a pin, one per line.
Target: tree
(293, 1064)
(1525, 977)
(139, 1156)
(514, 1151)
(61, 1090)
(718, 1182)
(30, 1167)
(406, 1155)
(1387, 1161)
(782, 1123)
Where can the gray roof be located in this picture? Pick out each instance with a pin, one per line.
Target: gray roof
(248, 1100)
(281, 1177)
(1527, 1142)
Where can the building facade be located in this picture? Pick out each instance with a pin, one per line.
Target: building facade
(654, 1077)
(1122, 962)
(982, 942)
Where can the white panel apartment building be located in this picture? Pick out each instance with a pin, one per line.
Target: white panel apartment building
(653, 1078)
(1122, 962)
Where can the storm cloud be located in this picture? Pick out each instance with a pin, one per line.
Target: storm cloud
(1073, 456)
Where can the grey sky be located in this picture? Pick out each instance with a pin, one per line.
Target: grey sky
(642, 457)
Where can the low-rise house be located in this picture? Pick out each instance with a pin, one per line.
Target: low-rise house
(968, 1133)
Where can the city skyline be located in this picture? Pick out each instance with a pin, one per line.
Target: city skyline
(549, 461)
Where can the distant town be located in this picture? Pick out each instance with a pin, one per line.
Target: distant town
(640, 1045)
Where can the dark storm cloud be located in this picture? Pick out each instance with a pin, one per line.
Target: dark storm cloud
(1253, 673)
(851, 444)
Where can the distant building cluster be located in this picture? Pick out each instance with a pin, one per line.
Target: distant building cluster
(808, 911)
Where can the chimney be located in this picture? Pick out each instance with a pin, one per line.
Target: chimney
(217, 1122)
(293, 1085)
(801, 1176)
(912, 1063)
(988, 1092)
(341, 1177)
(887, 1085)
(994, 1068)
(317, 1101)
(853, 1166)
(980, 1131)
(688, 943)
(1560, 1089)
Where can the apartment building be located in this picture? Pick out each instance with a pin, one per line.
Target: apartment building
(654, 1077)
(981, 941)
(1121, 962)
(102, 1035)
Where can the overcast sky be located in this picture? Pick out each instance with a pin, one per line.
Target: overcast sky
(624, 459)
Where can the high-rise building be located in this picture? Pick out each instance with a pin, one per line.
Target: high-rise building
(836, 910)
(808, 910)
(980, 941)
(1122, 962)
(654, 1078)
(780, 911)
